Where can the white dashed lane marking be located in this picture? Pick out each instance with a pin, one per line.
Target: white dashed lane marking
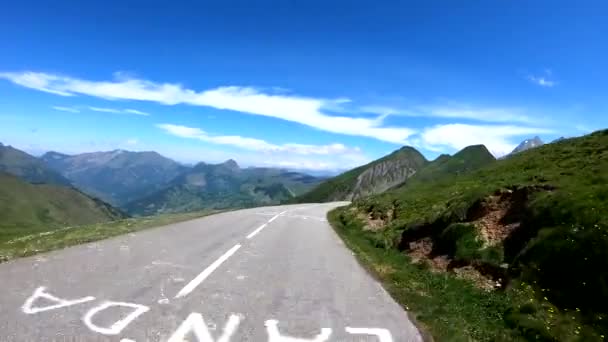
(206, 272)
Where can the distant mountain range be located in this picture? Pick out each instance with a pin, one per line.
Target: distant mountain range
(117, 177)
(224, 185)
(146, 183)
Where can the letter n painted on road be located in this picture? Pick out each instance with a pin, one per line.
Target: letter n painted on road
(60, 303)
(196, 324)
(382, 334)
(119, 325)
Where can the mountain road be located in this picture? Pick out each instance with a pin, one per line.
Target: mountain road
(277, 274)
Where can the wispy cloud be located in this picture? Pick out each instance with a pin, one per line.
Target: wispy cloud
(66, 109)
(256, 144)
(543, 80)
(303, 110)
(118, 111)
(132, 142)
(456, 111)
(499, 139)
(135, 111)
(78, 109)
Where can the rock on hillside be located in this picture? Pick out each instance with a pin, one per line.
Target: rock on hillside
(376, 177)
(386, 174)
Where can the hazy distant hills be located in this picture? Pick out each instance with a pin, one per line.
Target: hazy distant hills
(117, 177)
(27, 167)
(224, 185)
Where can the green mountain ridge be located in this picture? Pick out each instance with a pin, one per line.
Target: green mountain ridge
(28, 168)
(464, 161)
(375, 177)
(395, 170)
(26, 207)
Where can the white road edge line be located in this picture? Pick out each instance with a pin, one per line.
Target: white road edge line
(253, 233)
(206, 272)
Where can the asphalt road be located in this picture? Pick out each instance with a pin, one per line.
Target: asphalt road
(277, 274)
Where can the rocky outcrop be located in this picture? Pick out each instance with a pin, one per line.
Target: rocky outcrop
(383, 176)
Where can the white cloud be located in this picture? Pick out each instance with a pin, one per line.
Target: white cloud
(66, 109)
(500, 115)
(77, 109)
(135, 111)
(132, 142)
(118, 111)
(256, 144)
(497, 138)
(303, 110)
(104, 110)
(543, 80)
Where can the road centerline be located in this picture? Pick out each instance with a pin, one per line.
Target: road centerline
(253, 233)
(206, 272)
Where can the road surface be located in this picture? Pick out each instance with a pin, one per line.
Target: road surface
(276, 274)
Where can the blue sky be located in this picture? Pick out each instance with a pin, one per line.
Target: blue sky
(323, 85)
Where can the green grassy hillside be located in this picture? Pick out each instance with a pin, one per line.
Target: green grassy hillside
(28, 168)
(345, 185)
(466, 160)
(26, 208)
(530, 231)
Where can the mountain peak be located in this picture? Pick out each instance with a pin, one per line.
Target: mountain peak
(231, 163)
(528, 144)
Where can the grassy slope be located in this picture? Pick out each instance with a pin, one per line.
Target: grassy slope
(28, 167)
(29, 243)
(337, 187)
(558, 263)
(27, 208)
(467, 160)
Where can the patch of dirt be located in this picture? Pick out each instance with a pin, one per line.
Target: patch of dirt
(493, 210)
(371, 224)
(470, 273)
(384, 270)
(421, 251)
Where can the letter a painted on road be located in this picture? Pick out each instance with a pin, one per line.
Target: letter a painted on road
(119, 325)
(60, 303)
